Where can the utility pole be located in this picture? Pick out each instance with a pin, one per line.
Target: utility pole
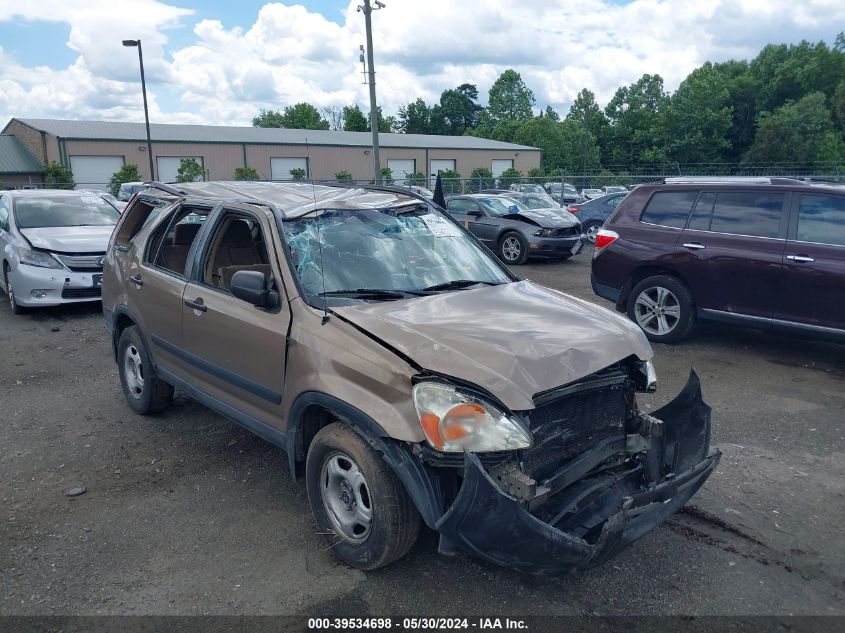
(367, 9)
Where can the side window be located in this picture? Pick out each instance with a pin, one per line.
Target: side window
(4, 214)
(170, 244)
(821, 219)
(748, 213)
(614, 202)
(237, 244)
(669, 208)
(703, 211)
(137, 217)
(458, 206)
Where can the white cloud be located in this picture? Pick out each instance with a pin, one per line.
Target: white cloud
(290, 54)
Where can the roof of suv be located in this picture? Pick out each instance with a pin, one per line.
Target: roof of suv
(294, 199)
(742, 182)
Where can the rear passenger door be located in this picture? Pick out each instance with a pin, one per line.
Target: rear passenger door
(811, 293)
(237, 349)
(732, 251)
(156, 281)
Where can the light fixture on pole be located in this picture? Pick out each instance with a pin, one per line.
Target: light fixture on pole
(130, 44)
(368, 9)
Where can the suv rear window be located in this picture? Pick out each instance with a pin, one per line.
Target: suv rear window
(669, 208)
(756, 213)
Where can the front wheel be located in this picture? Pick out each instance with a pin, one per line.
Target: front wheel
(144, 391)
(663, 307)
(10, 292)
(513, 249)
(361, 508)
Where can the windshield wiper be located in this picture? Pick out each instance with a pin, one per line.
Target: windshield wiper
(457, 284)
(365, 293)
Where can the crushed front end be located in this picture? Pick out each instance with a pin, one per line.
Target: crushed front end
(599, 475)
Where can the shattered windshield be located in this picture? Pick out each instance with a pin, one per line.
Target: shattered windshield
(403, 252)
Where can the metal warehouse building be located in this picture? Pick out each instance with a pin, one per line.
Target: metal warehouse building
(94, 150)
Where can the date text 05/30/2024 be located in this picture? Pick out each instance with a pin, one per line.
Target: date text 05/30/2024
(414, 624)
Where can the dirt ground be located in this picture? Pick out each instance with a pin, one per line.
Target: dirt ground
(187, 513)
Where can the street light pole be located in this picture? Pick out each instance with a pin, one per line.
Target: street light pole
(132, 43)
(368, 22)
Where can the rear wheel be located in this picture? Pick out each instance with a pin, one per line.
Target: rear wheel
(361, 508)
(663, 307)
(10, 292)
(144, 391)
(513, 249)
(591, 228)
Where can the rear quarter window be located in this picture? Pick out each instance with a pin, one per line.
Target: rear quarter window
(669, 208)
(821, 219)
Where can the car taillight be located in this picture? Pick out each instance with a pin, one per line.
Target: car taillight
(573, 209)
(605, 238)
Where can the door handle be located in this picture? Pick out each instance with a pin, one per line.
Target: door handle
(136, 279)
(196, 305)
(800, 258)
(694, 246)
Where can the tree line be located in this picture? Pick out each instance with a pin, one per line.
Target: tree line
(787, 105)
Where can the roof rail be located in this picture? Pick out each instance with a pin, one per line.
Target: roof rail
(748, 180)
(164, 187)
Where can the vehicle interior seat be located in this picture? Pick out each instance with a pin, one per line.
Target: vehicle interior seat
(238, 249)
(173, 256)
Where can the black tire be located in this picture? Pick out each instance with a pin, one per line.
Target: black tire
(10, 294)
(152, 394)
(512, 248)
(394, 523)
(590, 227)
(680, 320)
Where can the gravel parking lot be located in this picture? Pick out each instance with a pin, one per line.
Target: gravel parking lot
(189, 514)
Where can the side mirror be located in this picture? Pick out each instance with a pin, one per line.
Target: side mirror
(250, 286)
(475, 213)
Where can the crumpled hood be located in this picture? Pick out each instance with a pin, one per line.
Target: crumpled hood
(70, 239)
(514, 340)
(546, 218)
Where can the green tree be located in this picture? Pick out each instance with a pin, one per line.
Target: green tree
(417, 179)
(509, 177)
(743, 90)
(798, 132)
(451, 181)
(415, 117)
(302, 116)
(550, 113)
(127, 173)
(387, 176)
(585, 112)
(343, 176)
(189, 171)
(536, 174)
(246, 173)
(480, 178)
(297, 173)
(57, 176)
(699, 118)
(838, 107)
(636, 114)
(354, 119)
(509, 99)
(385, 124)
(458, 109)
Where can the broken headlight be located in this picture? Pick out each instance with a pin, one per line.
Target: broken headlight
(455, 421)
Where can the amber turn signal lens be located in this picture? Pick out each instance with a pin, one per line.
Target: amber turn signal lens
(430, 424)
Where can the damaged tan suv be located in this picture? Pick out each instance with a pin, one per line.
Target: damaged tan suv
(409, 375)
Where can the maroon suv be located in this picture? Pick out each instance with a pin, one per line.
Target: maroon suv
(763, 252)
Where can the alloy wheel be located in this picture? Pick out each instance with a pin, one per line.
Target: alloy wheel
(657, 310)
(592, 230)
(511, 249)
(346, 498)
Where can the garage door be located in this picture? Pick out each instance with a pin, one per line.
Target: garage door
(94, 172)
(401, 168)
(440, 164)
(168, 167)
(280, 167)
(499, 166)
